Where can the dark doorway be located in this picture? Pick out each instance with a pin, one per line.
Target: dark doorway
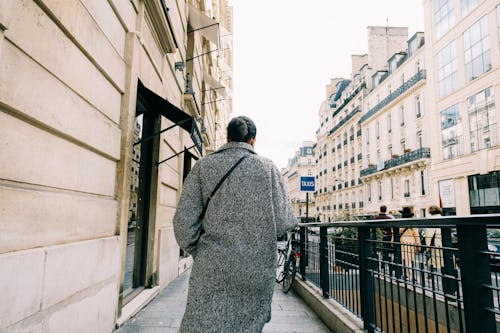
(142, 197)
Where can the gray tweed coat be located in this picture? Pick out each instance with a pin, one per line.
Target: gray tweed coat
(234, 248)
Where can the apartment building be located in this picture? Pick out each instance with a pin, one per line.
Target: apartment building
(104, 107)
(462, 54)
(396, 135)
(339, 153)
(302, 164)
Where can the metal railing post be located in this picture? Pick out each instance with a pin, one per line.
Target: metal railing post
(476, 275)
(398, 262)
(449, 285)
(366, 283)
(303, 258)
(323, 262)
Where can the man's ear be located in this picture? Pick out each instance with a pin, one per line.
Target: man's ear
(252, 142)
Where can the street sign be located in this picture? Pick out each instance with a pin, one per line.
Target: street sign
(307, 184)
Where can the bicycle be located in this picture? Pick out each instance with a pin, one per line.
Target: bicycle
(288, 258)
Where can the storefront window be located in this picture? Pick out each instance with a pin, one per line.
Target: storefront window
(451, 132)
(482, 120)
(477, 49)
(484, 193)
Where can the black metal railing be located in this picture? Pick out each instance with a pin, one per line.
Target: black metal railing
(397, 279)
(349, 98)
(344, 120)
(411, 156)
(395, 94)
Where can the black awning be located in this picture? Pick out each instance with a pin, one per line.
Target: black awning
(148, 101)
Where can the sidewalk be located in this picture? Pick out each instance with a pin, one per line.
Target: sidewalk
(164, 313)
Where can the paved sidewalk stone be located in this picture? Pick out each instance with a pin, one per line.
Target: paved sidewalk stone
(164, 313)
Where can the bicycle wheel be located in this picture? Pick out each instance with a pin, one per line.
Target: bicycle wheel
(280, 267)
(290, 271)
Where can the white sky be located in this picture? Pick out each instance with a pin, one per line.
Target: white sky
(286, 52)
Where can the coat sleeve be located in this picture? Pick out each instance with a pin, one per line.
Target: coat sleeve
(283, 211)
(187, 225)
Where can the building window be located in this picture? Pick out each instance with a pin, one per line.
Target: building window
(419, 139)
(369, 191)
(379, 190)
(482, 120)
(484, 193)
(422, 182)
(451, 132)
(444, 16)
(407, 188)
(447, 69)
(477, 49)
(378, 130)
(403, 145)
(498, 20)
(392, 188)
(389, 149)
(468, 6)
(389, 122)
(402, 115)
(367, 135)
(418, 107)
(309, 172)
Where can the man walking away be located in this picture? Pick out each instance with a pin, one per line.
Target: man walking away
(233, 205)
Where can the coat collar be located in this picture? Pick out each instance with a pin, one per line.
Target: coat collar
(234, 144)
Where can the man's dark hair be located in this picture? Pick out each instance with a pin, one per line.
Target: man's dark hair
(241, 129)
(383, 208)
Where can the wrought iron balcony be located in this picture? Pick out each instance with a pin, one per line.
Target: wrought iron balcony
(395, 94)
(349, 98)
(368, 171)
(397, 161)
(343, 121)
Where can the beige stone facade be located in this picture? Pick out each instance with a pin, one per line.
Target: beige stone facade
(463, 77)
(341, 151)
(302, 164)
(396, 140)
(80, 81)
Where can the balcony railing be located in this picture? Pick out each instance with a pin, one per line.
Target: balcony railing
(349, 98)
(394, 162)
(344, 120)
(393, 286)
(395, 94)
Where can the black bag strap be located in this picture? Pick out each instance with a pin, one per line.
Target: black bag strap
(202, 215)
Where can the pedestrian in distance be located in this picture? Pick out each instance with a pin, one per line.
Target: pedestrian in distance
(434, 255)
(410, 242)
(386, 234)
(233, 242)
